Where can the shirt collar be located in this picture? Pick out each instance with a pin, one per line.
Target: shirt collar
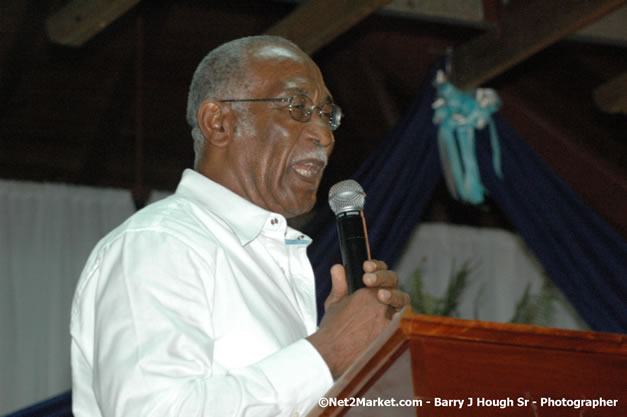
(243, 217)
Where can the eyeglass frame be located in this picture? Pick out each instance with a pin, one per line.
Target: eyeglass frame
(337, 110)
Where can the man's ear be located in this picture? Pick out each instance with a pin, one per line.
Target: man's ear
(213, 121)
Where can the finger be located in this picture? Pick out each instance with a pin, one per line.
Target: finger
(373, 265)
(396, 314)
(339, 285)
(382, 278)
(393, 298)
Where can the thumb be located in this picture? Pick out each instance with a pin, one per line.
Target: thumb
(339, 285)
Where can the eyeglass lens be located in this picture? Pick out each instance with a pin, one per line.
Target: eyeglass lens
(302, 107)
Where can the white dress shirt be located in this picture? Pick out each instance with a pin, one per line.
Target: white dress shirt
(198, 305)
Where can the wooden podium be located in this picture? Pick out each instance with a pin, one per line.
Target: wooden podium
(452, 367)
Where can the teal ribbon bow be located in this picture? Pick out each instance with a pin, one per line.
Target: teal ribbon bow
(459, 113)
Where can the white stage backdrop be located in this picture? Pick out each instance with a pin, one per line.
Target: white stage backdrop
(46, 234)
(502, 267)
(48, 230)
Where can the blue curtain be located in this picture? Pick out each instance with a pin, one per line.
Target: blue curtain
(58, 406)
(399, 179)
(585, 258)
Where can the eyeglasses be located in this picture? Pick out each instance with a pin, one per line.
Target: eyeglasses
(302, 107)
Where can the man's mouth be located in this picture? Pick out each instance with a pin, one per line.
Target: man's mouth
(310, 169)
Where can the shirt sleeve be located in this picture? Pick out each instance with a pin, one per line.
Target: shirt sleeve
(153, 342)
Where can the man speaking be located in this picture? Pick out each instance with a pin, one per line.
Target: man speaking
(203, 304)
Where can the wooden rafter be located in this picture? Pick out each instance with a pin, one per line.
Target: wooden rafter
(80, 20)
(522, 34)
(317, 22)
(611, 97)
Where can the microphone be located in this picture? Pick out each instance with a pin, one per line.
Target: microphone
(347, 200)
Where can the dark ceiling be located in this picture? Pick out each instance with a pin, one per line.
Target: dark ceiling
(75, 115)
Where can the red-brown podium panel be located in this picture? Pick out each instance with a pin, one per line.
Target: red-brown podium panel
(452, 367)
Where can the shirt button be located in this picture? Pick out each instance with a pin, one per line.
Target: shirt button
(274, 221)
(296, 414)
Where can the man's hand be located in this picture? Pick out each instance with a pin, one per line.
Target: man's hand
(377, 275)
(352, 322)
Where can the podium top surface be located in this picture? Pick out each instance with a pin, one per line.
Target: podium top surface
(416, 325)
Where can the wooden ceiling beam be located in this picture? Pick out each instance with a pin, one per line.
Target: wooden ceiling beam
(317, 22)
(80, 20)
(522, 34)
(611, 97)
(492, 11)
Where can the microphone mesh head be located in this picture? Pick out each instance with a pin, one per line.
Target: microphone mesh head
(346, 196)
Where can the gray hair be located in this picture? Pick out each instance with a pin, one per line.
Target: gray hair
(222, 73)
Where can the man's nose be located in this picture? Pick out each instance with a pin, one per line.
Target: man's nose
(320, 131)
(321, 136)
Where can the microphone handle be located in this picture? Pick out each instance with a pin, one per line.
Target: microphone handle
(351, 227)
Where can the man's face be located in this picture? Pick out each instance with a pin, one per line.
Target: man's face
(277, 161)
